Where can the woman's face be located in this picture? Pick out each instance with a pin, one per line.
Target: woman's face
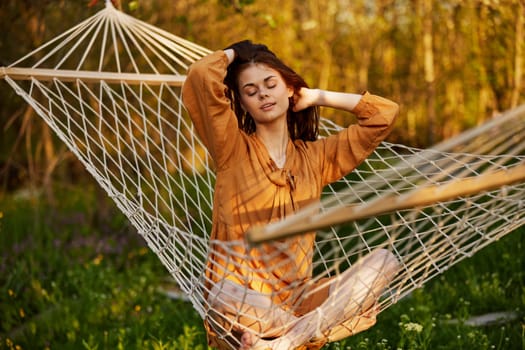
(264, 93)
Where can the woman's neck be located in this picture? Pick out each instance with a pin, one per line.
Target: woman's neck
(276, 142)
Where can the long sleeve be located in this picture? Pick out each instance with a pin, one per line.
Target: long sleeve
(341, 153)
(203, 95)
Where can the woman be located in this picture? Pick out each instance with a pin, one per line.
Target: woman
(259, 122)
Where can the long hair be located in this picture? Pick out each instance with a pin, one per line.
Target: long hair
(303, 125)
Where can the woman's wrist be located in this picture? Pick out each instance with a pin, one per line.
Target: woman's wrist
(320, 97)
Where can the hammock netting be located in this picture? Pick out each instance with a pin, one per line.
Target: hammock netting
(110, 89)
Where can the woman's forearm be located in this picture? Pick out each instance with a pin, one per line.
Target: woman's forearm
(338, 100)
(317, 97)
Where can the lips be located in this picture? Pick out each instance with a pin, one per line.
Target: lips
(267, 106)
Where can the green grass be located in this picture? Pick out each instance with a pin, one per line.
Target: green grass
(75, 275)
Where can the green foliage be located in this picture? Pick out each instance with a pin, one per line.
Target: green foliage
(435, 316)
(74, 278)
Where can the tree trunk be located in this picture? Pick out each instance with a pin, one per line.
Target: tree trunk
(428, 62)
(518, 56)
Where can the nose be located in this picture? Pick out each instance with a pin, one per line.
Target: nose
(263, 93)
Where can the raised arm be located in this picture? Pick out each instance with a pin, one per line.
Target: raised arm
(339, 154)
(203, 95)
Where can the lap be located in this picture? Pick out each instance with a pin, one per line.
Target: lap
(235, 308)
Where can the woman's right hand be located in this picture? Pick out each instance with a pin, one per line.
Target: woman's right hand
(230, 53)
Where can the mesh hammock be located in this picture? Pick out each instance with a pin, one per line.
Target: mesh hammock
(110, 89)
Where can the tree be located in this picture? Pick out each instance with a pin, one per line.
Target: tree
(450, 64)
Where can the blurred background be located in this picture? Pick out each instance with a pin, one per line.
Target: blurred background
(451, 64)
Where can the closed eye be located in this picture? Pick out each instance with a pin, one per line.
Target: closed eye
(271, 82)
(251, 89)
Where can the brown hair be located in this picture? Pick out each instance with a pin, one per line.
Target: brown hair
(303, 125)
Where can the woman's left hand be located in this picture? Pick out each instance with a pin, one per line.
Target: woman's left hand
(306, 98)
